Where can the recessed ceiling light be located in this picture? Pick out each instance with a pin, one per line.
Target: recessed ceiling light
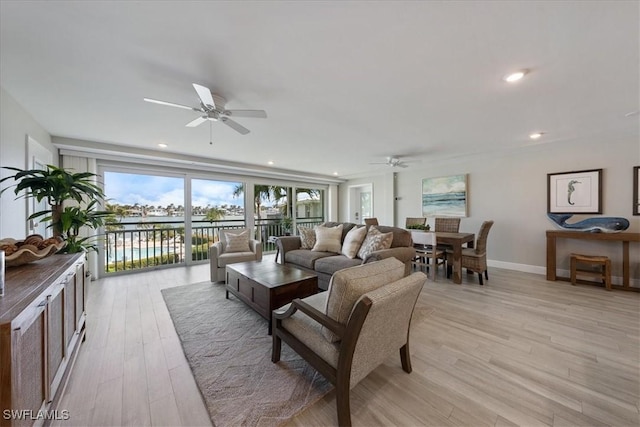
(515, 76)
(270, 162)
(162, 145)
(536, 135)
(335, 173)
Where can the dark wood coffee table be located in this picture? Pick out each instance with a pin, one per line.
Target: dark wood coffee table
(265, 285)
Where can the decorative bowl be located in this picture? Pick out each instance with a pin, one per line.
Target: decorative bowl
(33, 248)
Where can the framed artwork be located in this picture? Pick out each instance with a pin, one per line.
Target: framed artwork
(636, 190)
(578, 192)
(445, 196)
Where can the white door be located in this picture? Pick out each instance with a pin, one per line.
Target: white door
(360, 203)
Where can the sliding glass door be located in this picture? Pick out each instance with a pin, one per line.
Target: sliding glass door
(147, 226)
(215, 205)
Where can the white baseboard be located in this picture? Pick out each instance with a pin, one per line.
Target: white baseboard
(537, 269)
(525, 268)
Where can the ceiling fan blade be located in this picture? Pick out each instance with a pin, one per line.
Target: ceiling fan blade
(171, 104)
(205, 96)
(197, 122)
(234, 125)
(258, 114)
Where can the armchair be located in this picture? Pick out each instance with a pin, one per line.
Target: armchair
(350, 330)
(230, 249)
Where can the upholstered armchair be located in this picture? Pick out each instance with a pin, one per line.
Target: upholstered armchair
(235, 245)
(348, 331)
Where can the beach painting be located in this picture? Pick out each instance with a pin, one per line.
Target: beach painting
(445, 196)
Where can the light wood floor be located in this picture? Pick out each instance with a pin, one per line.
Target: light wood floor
(518, 351)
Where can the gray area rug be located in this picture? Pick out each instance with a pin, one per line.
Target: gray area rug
(229, 351)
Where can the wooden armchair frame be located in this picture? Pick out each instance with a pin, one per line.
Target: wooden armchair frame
(348, 334)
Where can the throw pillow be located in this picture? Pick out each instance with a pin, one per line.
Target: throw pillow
(375, 241)
(348, 285)
(237, 242)
(307, 237)
(328, 239)
(353, 240)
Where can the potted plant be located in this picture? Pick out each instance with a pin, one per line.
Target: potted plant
(57, 186)
(287, 223)
(422, 227)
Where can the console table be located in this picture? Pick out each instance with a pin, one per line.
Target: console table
(625, 238)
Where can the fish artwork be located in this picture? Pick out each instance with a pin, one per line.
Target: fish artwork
(594, 225)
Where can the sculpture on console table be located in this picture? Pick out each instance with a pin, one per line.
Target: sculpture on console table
(593, 225)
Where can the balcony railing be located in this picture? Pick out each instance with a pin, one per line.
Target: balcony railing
(145, 245)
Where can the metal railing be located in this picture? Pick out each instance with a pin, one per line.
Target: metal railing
(143, 245)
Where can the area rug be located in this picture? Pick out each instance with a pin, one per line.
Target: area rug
(229, 351)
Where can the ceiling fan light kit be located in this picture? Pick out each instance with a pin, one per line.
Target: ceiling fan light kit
(212, 107)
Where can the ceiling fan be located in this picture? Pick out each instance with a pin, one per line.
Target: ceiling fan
(393, 161)
(212, 107)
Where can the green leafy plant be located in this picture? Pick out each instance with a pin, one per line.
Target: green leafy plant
(419, 227)
(56, 186)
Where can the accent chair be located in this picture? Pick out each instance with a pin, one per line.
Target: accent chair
(348, 331)
(235, 245)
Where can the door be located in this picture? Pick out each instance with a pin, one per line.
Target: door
(360, 203)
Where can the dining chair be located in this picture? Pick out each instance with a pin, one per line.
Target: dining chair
(424, 242)
(415, 221)
(371, 221)
(447, 225)
(475, 259)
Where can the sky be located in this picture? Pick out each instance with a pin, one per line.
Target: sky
(129, 189)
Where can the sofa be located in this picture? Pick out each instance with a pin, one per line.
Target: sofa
(324, 264)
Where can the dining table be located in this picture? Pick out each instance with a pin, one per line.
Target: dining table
(456, 241)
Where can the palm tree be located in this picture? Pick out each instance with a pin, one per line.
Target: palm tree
(214, 214)
(263, 192)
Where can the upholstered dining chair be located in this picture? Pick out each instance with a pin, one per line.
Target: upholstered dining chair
(475, 259)
(371, 221)
(348, 331)
(415, 221)
(235, 245)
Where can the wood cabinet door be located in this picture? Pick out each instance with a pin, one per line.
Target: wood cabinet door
(56, 345)
(30, 385)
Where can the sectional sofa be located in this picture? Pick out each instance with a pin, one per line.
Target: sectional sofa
(324, 264)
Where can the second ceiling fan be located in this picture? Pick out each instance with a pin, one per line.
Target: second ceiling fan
(212, 108)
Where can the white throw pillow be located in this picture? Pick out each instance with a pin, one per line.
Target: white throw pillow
(237, 242)
(375, 241)
(353, 240)
(328, 239)
(307, 237)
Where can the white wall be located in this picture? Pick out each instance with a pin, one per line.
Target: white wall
(15, 125)
(511, 189)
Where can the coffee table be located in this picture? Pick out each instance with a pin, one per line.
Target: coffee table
(265, 286)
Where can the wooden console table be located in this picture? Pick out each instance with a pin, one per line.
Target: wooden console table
(625, 238)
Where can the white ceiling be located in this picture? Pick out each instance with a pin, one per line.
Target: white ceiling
(344, 83)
